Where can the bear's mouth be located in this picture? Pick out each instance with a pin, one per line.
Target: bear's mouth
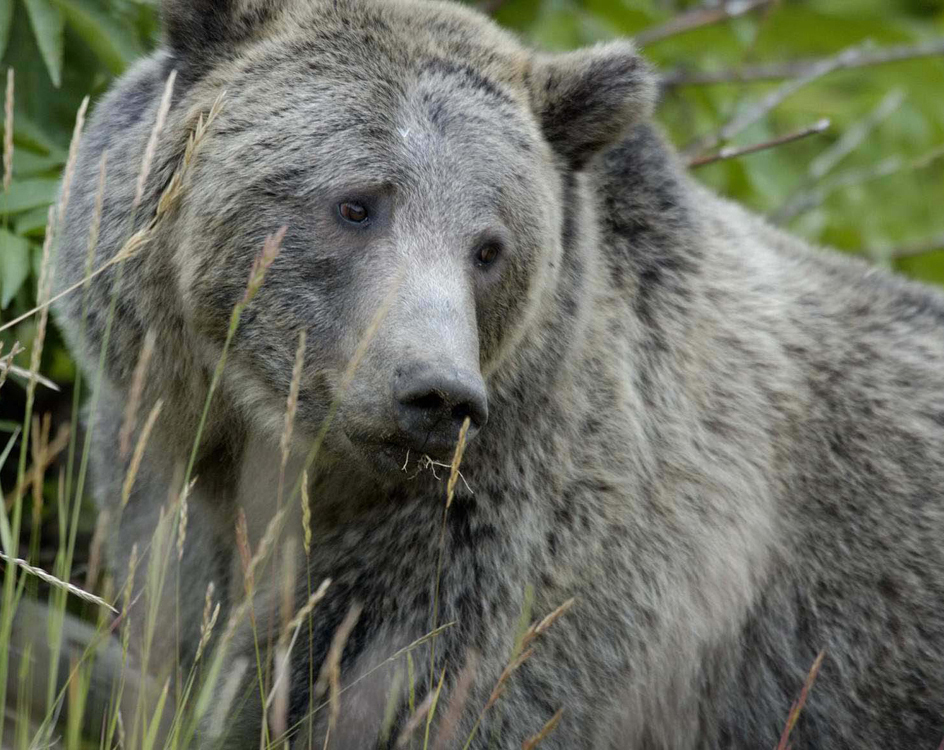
(389, 457)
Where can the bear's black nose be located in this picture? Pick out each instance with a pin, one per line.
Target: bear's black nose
(432, 404)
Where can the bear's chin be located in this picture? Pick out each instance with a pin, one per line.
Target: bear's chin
(386, 459)
(391, 463)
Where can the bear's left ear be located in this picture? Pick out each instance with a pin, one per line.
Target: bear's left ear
(586, 99)
(199, 29)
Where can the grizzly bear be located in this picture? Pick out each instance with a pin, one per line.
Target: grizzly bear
(726, 447)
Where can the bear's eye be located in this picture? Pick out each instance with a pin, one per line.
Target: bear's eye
(488, 253)
(355, 213)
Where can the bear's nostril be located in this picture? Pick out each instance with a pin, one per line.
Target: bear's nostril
(461, 411)
(430, 401)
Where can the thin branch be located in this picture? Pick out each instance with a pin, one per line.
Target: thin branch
(697, 18)
(490, 7)
(852, 177)
(752, 113)
(826, 162)
(912, 249)
(855, 135)
(732, 152)
(866, 57)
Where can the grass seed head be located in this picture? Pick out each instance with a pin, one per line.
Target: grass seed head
(546, 730)
(306, 513)
(72, 159)
(134, 394)
(138, 455)
(151, 148)
(262, 263)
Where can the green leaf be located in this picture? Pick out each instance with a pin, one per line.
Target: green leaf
(48, 26)
(6, 23)
(14, 265)
(26, 194)
(33, 136)
(27, 163)
(32, 223)
(114, 45)
(627, 18)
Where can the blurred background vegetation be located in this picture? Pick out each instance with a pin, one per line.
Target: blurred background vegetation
(872, 182)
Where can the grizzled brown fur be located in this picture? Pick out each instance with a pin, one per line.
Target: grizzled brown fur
(726, 445)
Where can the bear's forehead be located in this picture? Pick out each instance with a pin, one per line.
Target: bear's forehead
(384, 42)
(378, 96)
(374, 98)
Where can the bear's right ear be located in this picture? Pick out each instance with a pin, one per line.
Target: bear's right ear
(196, 29)
(586, 99)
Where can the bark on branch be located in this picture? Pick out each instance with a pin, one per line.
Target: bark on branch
(489, 7)
(732, 152)
(915, 249)
(697, 18)
(865, 57)
(752, 113)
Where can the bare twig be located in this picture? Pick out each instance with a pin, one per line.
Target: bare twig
(831, 157)
(491, 6)
(915, 249)
(855, 135)
(698, 17)
(911, 249)
(852, 177)
(732, 152)
(752, 113)
(866, 57)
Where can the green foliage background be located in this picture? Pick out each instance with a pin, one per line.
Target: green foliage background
(887, 194)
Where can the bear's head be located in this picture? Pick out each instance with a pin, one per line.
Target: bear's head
(416, 154)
